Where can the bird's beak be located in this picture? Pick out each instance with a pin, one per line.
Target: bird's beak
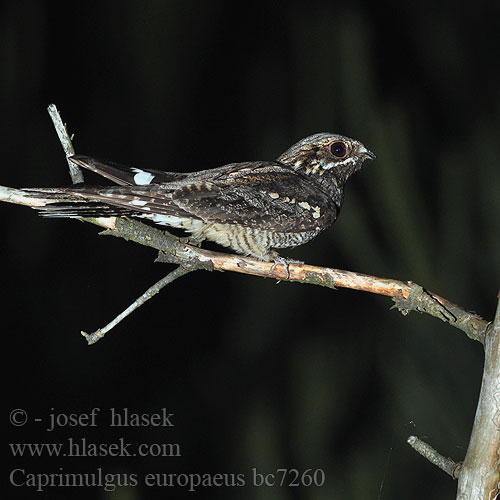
(365, 153)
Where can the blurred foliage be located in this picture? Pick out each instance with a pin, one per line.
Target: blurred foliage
(258, 374)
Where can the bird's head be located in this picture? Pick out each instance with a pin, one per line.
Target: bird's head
(322, 154)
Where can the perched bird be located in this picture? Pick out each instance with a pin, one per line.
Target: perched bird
(251, 207)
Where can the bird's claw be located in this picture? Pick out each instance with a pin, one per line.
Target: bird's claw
(286, 263)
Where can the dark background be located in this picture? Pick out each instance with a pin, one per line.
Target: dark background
(257, 374)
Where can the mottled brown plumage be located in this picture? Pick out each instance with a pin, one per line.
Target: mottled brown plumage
(251, 207)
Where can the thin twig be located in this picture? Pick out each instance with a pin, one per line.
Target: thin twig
(427, 451)
(92, 338)
(74, 170)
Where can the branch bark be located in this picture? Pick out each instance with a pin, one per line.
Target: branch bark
(62, 132)
(449, 466)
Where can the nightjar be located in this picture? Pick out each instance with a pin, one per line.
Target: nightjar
(250, 207)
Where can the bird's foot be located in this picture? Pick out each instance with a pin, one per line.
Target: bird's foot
(191, 240)
(286, 262)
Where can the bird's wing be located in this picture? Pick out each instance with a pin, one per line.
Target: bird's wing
(263, 195)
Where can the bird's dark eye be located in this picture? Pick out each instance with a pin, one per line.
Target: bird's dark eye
(338, 149)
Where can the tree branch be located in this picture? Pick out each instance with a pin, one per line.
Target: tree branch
(480, 474)
(407, 296)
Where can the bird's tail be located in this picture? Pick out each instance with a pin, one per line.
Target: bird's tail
(153, 202)
(68, 202)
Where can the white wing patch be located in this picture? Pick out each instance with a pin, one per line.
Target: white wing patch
(195, 227)
(168, 220)
(142, 178)
(139, 203)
